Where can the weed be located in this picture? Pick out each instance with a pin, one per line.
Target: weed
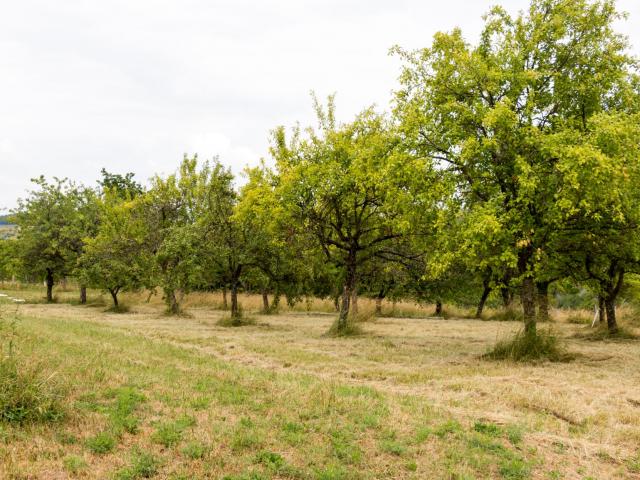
(103, 442)
(194, 450)
(142, 465)
(74, 464)
(490, 429)
(168, 434)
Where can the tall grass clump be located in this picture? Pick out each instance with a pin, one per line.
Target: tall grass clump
(351, 329)
(238, 320)
(27, 394)
(527, 347)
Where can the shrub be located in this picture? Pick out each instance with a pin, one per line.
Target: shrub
(543, 345)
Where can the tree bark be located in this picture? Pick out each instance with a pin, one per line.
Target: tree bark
(347, 294)
(336, 302)
(507, 297)
(378, 306)
(235, 284)
(173, 305)
(610, 308)
(354, 300)
(265, 301)
(527, 295)
(114, 296)
(49, 285)
(83, 295)
(438, 308)
(483, 299)
(225, 304)
(601, 309)
(542, 290)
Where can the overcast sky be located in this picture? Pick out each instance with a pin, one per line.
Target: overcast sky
(132, 85)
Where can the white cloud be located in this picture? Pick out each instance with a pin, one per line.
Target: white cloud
(132, 85)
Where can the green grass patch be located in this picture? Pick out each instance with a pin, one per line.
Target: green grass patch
(103, 442)
(142, 465)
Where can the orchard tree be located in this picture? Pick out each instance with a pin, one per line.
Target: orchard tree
(116, 258)
(486, 114)
(234, 236)
(46, 231)
(352, 191)
(600, 171)
(170, 208)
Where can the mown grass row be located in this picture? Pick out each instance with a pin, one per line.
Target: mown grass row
(139, 408)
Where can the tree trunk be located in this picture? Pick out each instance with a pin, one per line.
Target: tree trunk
(235, 309)
(527, 295)
(378, 306)
(610, 308)
(114, 296)
(49, 285)
(173, 305)
(336, 302)
(542, 290)
(601, 309)
(483, 299)
(225, 304)
(507, 297)
(354, 301)
(438, 308)
(265, 301)
(347, 294)
(83, 295)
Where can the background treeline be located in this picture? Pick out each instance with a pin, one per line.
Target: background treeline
(503, 169)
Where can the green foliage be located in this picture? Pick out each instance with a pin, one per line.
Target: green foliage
(541, 150)
(116, 259)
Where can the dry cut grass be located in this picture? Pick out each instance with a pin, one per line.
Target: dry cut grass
(151, 396)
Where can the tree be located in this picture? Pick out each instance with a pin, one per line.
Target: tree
(234, 236)
(352, 192)
(486, 114)
(123, 186)
(116, 259)
(46, 233)
(170, 208)
(600, 168)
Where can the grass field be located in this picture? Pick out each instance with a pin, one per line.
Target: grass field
(150, 396)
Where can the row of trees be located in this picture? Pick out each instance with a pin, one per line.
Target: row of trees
(502, 167)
